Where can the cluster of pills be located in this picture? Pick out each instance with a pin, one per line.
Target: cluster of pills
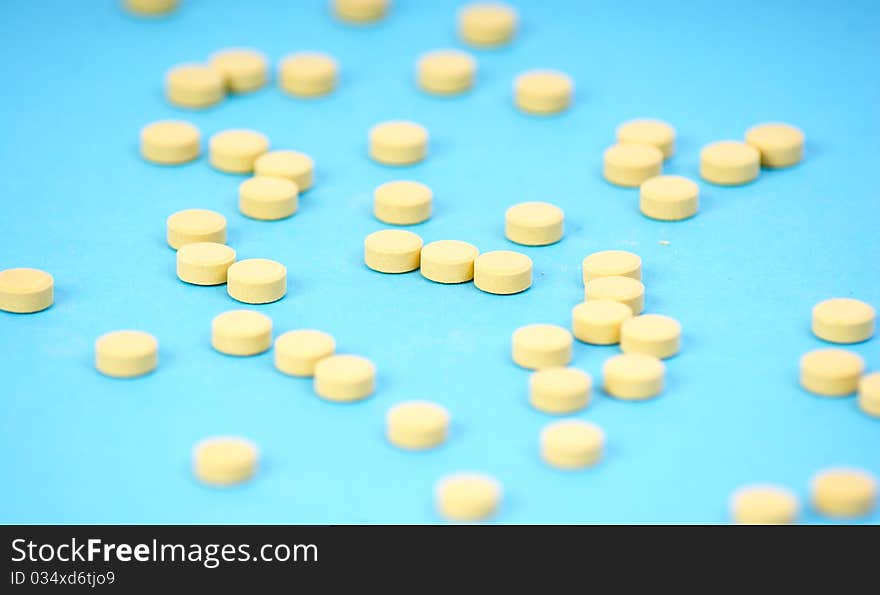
(614, 295)
(836, 372)
(636, 161)
(842, 493)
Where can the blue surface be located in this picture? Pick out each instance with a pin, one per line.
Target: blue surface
(81, 79)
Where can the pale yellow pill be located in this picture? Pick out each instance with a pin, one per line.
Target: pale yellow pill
(598, 322)
(572, 444)
(398, 143)
(417, 425)
(150, 7)
(241, 332)
(764, 505)
(669, 198)
(126, 354)
(204, 263)
(651, 334)
(243, 70)
(292, 165)
(256, 281)
(655, 133)
(559, 390)
(612, 263)
(543, 92)
(831, 372)
(446, 72)
(225, 460)
(402, 202)
(448, 261)
(780, 145)
(392, 251)
(625, 290)
(170, 142)
(24, 291)
(869, 394)
(195, 225)
(360, 11)
(344, 378)
(538, 346)
(630, 164)
(487, 24)
(308, 74)
(194, 86)
(844, 320)
(268, 198)
(844, 492)
(633, 376)
(236, 151)
(467, 497)
(534, 223)
(502, 272)
(729, 163)
(297, 352)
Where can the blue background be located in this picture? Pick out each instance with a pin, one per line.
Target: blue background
(80, 79)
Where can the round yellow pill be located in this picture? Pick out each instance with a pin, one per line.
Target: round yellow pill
(633, 376)
(344, 378)
(652, 334)
(538, 346)
(417, 425)
(392, 251)
(843, 492)
(780, 145)
(625, 290)
(243, 70)
(869, 394)
(559, 390)
(843, 320)
(402, 202)
(831, 372)
(292, 165)
(236, 151)
(543, 92)
(297, 352)
(360, 11)
(468, 497)
(225, 460)
(502, 272)
(170, 142)
(204, 263)
(446, 72)
(612, 263)
(194, 86)
(763, 505)
(572, 444)
(534, 223)
(729, 163)
(25, 291)
(631, 164)
(256, 281)
(126, 354)
(148, 8)
(598, 322)
(448, 261)
(398, 143)
(487, 24)
(241, 332)
(308, 74)
(655, 133)
(195, 225)
(669, 198)
(268, 198)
